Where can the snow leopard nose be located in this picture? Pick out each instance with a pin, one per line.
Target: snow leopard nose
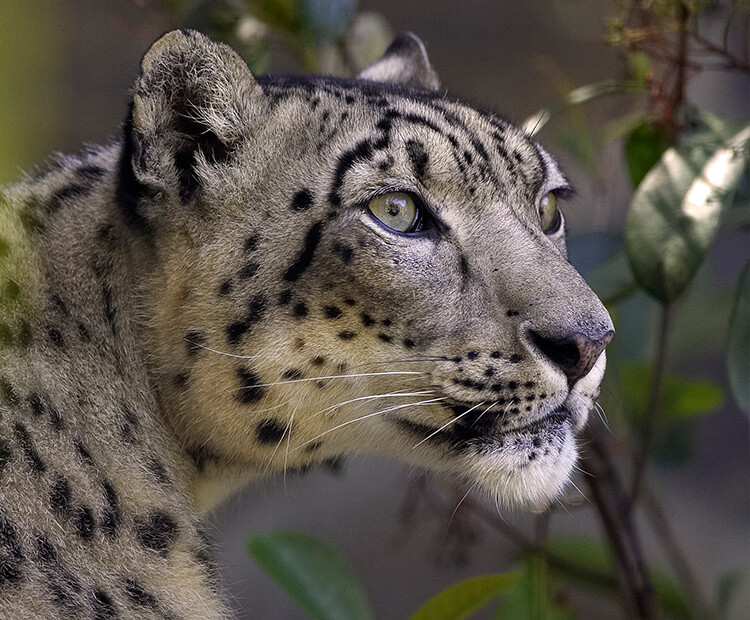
(574, 353)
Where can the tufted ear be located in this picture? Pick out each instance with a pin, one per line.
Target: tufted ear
(193, 101)
(404, 62)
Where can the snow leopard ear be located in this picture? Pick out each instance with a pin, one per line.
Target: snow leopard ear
(404, 62)
(193, 102)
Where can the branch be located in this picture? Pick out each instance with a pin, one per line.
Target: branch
(652, 412)
(617, 517)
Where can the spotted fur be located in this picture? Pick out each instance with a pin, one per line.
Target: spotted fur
(207, 299)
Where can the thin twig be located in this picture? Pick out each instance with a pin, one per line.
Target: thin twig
(615, 511)
(652, 408)
(664, 534)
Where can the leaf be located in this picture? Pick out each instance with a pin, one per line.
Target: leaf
(643, 146)
(676, 212)
(465, 597)
(531, 598)
(313, 574)
(738, 347)
(681, 398)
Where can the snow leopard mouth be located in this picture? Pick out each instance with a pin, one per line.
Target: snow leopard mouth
(475, 427)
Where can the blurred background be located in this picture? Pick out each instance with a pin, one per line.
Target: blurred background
(65, 73)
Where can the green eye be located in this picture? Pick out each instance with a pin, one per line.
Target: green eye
(396, 210)
(550, 214)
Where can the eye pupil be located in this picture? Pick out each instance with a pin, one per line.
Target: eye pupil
(394, 208)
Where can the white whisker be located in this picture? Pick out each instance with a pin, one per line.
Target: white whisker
(369, 415)
(458, 417)
(203, 346)
(364, 374)
(395, 394)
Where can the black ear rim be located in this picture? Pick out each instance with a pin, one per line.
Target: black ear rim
(129, 189)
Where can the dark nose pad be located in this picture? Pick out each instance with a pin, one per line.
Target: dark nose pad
(574, 354)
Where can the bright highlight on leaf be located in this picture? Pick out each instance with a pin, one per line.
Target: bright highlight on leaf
(313, 574)
(676, 212)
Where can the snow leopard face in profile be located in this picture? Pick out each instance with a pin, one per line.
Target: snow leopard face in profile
(358, 266)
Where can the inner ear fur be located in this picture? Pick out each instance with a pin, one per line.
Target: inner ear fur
(404, 62)
(193, 99)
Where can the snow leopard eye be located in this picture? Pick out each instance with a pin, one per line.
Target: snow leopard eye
(549, 214)
(397, 211)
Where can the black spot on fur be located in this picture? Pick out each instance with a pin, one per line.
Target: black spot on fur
(84, 523)
(270, 431)
(472, 355)
(9, 393)
(512, 313)
(64, 194)
(285, 297)
(249, 391)
(110, 518)
(103, 606)
(292, 373)
(157, 531)
(158, 471)
(236, 331)
(385, 337)
(350, 302)
(83, 333)
(225, 288)
(302, 200)
(367, 320)
(251, 243)
(409, 343)
(347, 335)
(84, 453)
(300, 309)
(418, 157)
(495, 355)
(318, 360)
(257, 308)
(32, 457)
(515, 358)
(59, 496)
(332, 312)
(194, 341)
(11, 555)
(5, 454)
(138, 594)
(344, 251)
(305, 257)
(362, 151)
(62, 584)
(36, 404)
(55, 336)
(248, 271)
(109, 307)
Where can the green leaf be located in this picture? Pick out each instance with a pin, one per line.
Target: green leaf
(681, 398)
(585, 552)
(465, 597)
(313, 574)
(643, 146)
(738, 348)
(676, 212)
(531, 596)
